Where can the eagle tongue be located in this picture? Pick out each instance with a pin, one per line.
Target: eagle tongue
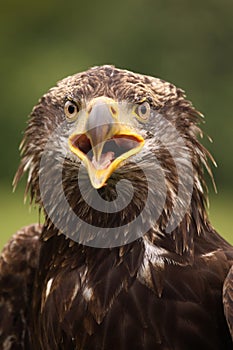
(104, 161)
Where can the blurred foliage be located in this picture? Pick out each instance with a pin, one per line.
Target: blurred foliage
(189, 43)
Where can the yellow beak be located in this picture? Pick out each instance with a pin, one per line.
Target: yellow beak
(105, 143)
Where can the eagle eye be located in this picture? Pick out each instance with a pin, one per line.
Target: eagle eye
(71, 110)
(143, 110)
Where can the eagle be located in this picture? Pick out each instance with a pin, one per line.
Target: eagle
(126, 257)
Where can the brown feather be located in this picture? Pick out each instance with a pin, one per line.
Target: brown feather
(228, 299)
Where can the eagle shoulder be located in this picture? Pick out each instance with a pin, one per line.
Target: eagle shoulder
(18, 263)
(228, 300)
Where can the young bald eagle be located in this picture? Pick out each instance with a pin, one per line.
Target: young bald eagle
(126, 258)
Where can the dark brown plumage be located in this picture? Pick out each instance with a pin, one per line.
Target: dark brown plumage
(157, 289)
(228, 299)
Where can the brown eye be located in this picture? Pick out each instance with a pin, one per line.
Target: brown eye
(143, 110)
(71, 110)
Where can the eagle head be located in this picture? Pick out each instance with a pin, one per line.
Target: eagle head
(112, 155)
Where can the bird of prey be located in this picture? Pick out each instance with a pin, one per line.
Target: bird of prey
(127, 257)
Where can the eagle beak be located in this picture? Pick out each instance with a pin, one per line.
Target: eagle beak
(106, 143)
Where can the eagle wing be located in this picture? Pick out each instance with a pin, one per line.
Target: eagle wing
(228, 299)
(18, 263)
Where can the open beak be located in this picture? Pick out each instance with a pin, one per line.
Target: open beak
(105, 143)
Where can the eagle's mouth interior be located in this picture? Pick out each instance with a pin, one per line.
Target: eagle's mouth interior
(112, 148)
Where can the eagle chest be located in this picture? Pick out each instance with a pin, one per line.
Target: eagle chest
(122, 303)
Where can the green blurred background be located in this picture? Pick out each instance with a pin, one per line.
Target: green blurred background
(189, 43)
